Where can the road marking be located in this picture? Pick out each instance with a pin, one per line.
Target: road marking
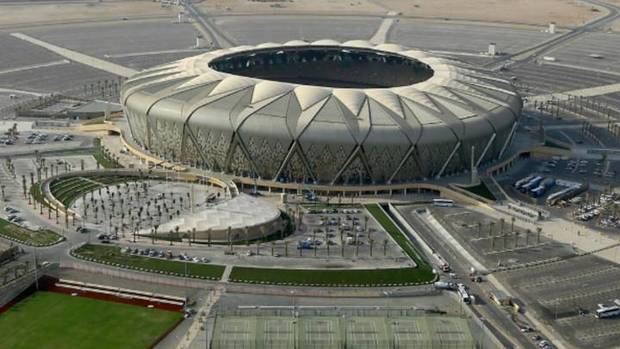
(34, 66)
(226, 273)
(573, 297)
(31, 93)
(585, 92)
(79, 57)
(438, 228)
(380, 35)
(153, 53)
(549, 281)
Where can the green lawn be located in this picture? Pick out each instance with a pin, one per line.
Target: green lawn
(69, 189)
(326, 277)
(58, 321)
(113, 254)
(27, 236)
(102, 159)
(402, 241)
(481, 190)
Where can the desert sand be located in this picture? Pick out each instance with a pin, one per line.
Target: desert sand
(566, 13)
(47, 13)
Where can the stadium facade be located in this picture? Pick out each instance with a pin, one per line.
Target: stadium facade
(322, 112)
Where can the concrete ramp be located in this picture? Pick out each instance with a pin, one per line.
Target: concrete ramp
(79, 57)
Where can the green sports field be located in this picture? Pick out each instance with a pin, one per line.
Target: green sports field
(58, 321)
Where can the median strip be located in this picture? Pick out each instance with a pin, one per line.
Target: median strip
(112, 255)
(19, 234)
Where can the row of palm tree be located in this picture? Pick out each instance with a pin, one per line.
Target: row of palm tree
(501, 234)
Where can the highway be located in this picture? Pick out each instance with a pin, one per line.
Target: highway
(495, 319)
(534, 51)
(209, 30)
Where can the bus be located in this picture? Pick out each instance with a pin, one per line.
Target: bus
(606, 312)
(531, 184)
(523, 181)
(542, 188)
(463, 293)
(443, 202)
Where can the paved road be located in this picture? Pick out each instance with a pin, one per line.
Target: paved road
(381, 34)
(79, 57)
(208, 29)
(532, 52)
(500, 325)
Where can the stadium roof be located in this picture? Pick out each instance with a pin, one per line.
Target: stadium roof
(456, 91)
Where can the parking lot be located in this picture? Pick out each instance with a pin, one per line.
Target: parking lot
(27, 142)
(551, 292)
(601, 45)
(471, 38)
(348, 233)
(482, 236)
(599, 175)
(545, 78)
(560, 287)
(259, 29)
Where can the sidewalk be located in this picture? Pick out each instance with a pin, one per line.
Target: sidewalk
(561, 230)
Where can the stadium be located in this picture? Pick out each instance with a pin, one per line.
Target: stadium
(325, 112)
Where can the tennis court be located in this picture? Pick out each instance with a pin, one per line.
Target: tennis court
(340, 332)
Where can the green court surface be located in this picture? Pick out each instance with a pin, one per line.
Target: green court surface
(340, 332)
(58, 321)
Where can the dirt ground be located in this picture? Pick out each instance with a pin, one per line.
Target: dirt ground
(310, 6)
(43, 13)
(534, 12)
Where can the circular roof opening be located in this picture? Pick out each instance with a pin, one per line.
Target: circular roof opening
(326, 66)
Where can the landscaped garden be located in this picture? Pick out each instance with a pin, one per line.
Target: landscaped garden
(112, 255)
(26, 236)
(69, 189)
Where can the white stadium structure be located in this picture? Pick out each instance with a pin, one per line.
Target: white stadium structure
(323, 112)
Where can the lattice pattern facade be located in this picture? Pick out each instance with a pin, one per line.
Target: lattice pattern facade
(186, 111)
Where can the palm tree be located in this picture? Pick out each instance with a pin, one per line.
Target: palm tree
(228, 233)
(512, 223)
(371, 243)
(385, 243)
(501, 226)
(314, 241)
(527, 237)
(538, 231)
(516, 239)
(176, 233)
(2, 187)
(24, 186)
